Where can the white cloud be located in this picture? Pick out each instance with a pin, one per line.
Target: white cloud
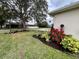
(53, 4)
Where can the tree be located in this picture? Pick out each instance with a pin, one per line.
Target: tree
(29, 9)
(39, 11)
(3, 14)
(6, 12)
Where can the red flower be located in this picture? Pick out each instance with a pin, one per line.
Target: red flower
(57, 35)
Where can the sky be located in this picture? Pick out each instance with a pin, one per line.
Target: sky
(54, 4)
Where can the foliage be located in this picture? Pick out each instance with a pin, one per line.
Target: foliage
(66, 41)
(70, 43)
(56, 35)
(28, 9)
(2, 22)
(43, 24)
(2, 14)
(45, 35)
(6, 13)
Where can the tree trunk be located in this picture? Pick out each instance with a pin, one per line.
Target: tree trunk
(10, 26)
(24, 25)
(1, 26)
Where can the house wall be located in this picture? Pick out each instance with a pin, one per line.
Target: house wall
(70, 19)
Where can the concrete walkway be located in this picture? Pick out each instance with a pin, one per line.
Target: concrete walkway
(39, 29)
(31, 29)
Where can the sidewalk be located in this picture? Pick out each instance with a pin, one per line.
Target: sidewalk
(31, 29)
(39, 29)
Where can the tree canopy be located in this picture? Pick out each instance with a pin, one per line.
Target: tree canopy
(4, 13)
(28, 9)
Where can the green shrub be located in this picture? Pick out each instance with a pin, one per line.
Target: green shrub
(46, 36)
(43, 24)
(71, 44)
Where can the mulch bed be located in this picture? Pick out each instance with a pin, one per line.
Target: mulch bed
(51, 43)
(56, 46)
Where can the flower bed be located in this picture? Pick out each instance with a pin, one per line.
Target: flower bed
(57, 37)
(64, 40)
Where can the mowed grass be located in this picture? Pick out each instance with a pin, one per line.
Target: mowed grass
(23, 46)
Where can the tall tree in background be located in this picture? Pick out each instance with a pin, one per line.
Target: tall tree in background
(32, 9)
(39, 11)
(4, 14)
(29, 9)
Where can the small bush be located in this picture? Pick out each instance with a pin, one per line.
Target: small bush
(43, 25)
(71, 44)
(45, 36)
(57, 35)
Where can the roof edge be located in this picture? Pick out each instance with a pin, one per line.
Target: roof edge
(65, 8)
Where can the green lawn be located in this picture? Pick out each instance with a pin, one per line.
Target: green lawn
(23, 46)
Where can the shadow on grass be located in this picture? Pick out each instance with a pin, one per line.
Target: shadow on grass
(16, 31)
